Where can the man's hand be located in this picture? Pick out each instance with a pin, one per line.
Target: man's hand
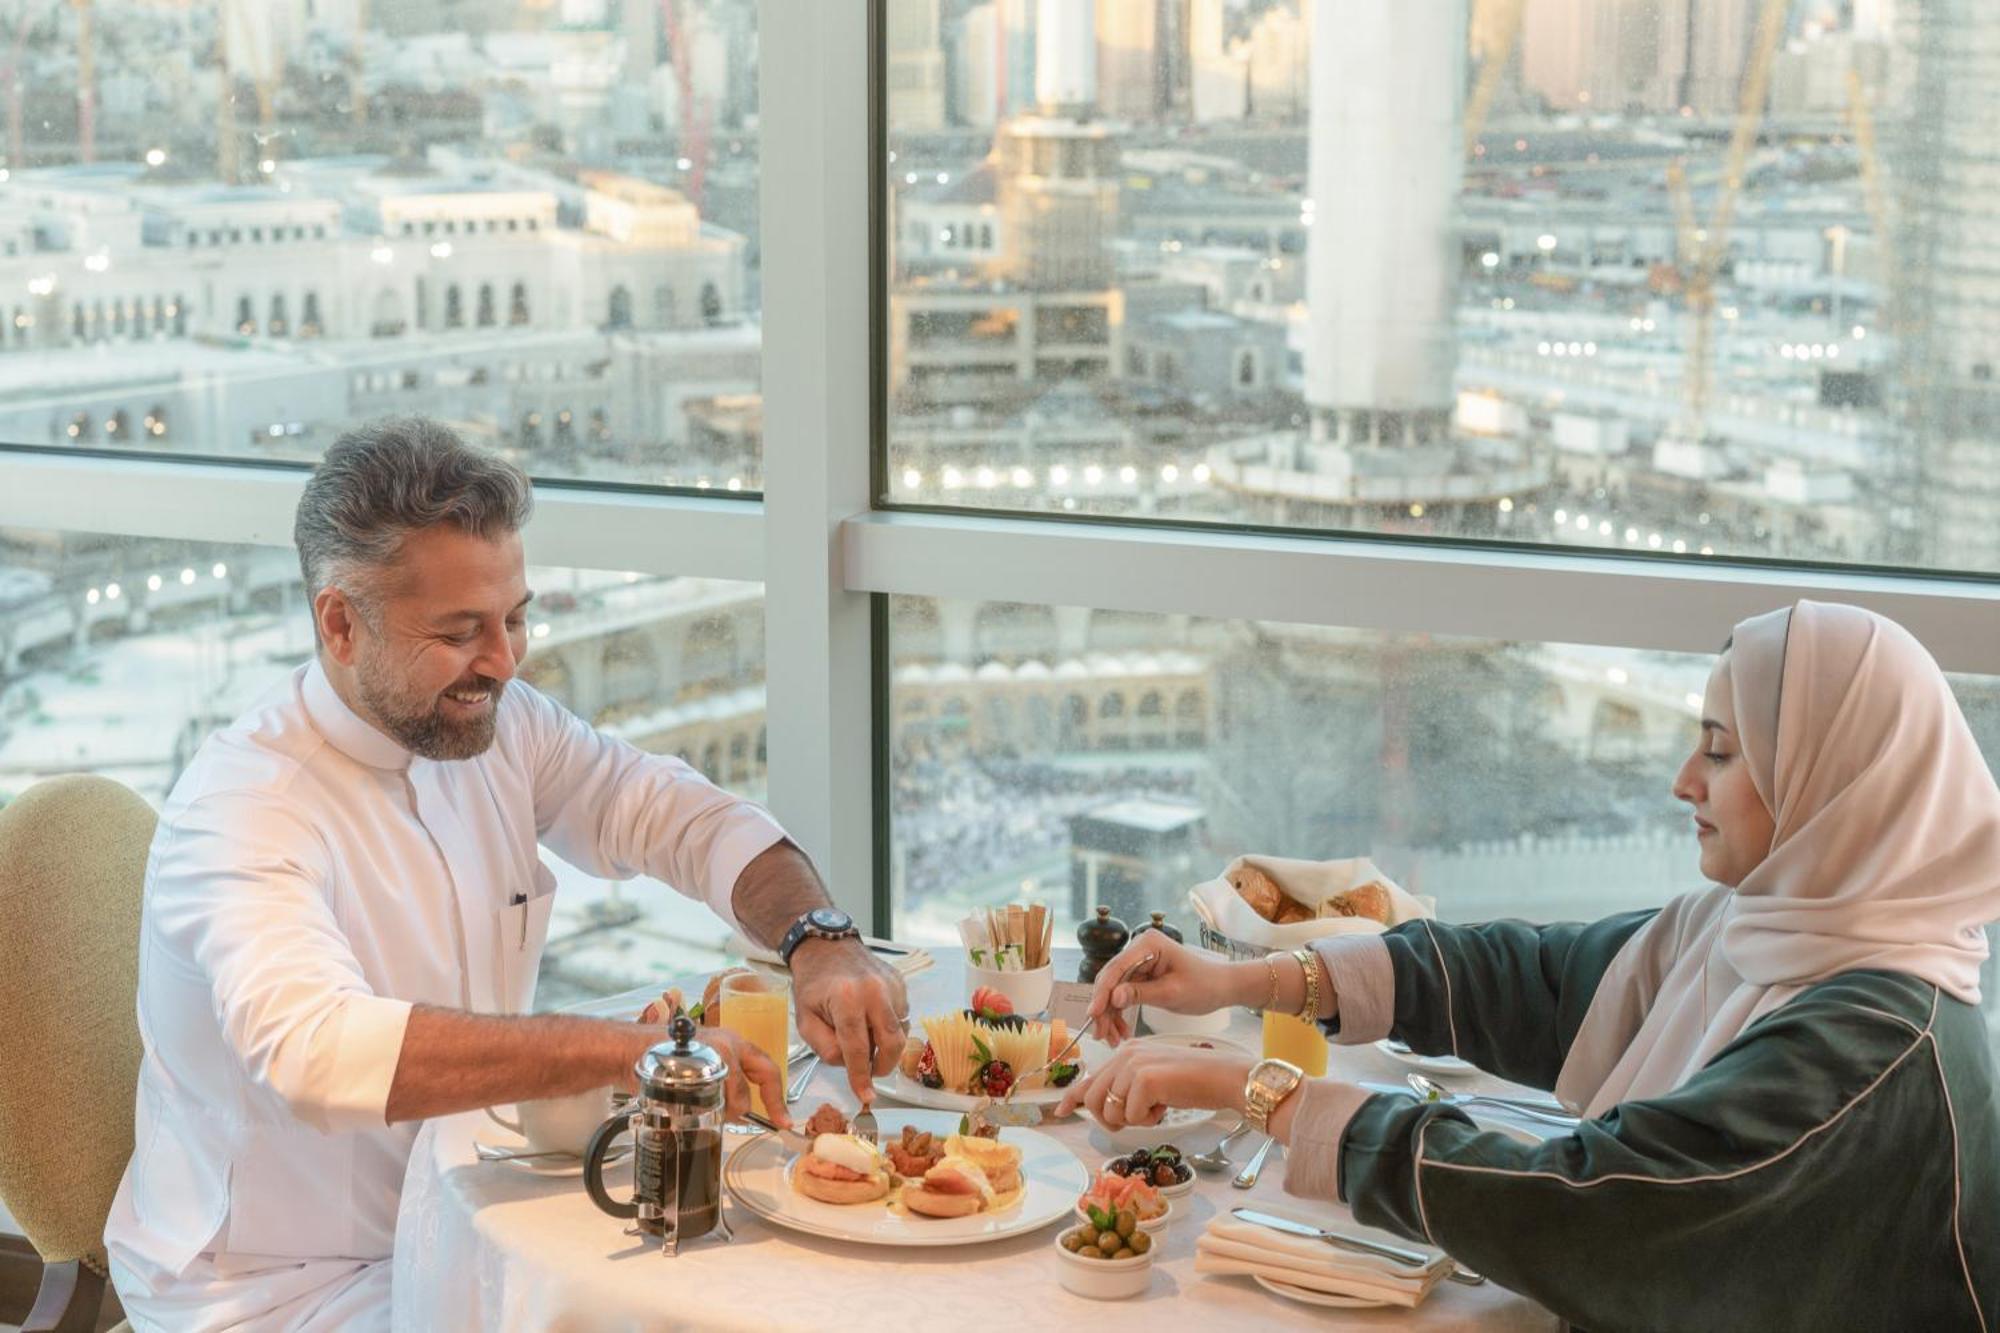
(748, 1067)
(851, 1009)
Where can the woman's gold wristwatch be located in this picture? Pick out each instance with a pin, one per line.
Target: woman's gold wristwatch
(1270, 1082)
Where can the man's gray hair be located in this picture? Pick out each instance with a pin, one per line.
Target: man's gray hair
(381, 482)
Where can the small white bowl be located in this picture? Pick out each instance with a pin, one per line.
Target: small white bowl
(1155, 1225)
(1027, 991)
(1166, 1191)
(1104, 1279)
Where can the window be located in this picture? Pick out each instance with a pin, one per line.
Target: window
(204, 630)
(600, 190)
(1603, 330)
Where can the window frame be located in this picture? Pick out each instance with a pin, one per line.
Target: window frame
(830, 547)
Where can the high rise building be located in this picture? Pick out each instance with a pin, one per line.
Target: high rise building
(978, 84)
(1017, 21)
(1065, 54)
(1613, 55)
(916, 67)
(1385, 163)
(1280, 65)
(1719, 37)
(1130, 59)
(1948, 172)
(1219, 70)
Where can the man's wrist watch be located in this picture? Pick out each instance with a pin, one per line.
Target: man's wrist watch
(821, 923)
(1270, 1082)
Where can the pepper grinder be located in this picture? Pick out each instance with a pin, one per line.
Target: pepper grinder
(1101, 940)
(1159, 923)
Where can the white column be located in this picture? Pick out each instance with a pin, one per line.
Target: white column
(814, 218)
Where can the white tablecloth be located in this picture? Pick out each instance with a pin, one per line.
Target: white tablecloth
(489, 1246)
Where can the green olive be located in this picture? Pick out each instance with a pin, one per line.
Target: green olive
(1110, 1242)
(1126, 1253)
(1087, 1234)
(1140, 1242)
(1073, 1242)
(1128, 1222)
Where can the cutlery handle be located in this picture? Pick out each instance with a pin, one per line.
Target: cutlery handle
(1248, 1175)
(1531, 1113)
(797, 1087)
(1362, 1246)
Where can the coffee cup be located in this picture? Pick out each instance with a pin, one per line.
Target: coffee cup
(558, 1124)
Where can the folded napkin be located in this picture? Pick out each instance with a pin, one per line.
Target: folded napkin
(1308, 882)
(1231, 1247)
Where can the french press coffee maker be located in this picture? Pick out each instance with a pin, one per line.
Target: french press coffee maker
(676, 1124)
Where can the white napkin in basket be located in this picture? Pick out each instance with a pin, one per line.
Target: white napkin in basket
(1230, 1247)
(1308, 882)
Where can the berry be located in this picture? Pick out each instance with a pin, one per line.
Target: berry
(996, 1077)
(927, 1062)
(1062, 1075)
(931, 1078)
(987, 1018)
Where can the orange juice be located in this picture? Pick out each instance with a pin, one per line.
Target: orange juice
(1292, 1039)
(758, 1009)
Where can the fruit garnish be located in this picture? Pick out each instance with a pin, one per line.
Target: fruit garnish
(990, 1003)
(1104, 1219)
(1064, 1074)
(995, 1077)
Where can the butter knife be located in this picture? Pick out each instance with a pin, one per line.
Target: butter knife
(1359, 1244)
(790, 1138)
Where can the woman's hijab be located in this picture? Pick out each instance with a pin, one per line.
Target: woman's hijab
(1885, 854)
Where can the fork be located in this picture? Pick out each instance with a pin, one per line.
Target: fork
(863, 1126)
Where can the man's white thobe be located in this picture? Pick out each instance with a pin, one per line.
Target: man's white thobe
(310, 881)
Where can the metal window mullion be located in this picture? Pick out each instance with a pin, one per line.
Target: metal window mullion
(815, 225)
(164, 497)
(1685, 605)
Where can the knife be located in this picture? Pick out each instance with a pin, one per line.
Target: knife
(1530, 1105)
(1359, 1244)
(790, 1138)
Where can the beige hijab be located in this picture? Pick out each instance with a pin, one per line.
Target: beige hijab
(1885, 855)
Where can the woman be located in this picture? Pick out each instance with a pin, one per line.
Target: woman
(1789, 1096)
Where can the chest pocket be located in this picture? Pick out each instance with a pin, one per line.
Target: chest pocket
(523, 932)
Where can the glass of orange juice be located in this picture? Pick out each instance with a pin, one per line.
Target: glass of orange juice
(1292, 1039)
(758, 1009)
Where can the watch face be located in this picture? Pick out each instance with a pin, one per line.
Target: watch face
(828, 918)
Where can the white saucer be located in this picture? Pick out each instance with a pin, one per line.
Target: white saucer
(1440, 1066)
(1307, 1296)
(493, 1136)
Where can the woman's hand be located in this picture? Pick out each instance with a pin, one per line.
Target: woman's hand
(1137, 1085)
(1181, 979)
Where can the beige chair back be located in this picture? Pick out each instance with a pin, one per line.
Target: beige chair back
(72, 866)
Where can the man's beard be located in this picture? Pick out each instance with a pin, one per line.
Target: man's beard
(419, 724)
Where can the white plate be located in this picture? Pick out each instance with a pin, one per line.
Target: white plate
(1307, 1296)
(493, 1136)
(1192, 1041)
(912, 1093)
(1444, 1066)
(1053, 1178)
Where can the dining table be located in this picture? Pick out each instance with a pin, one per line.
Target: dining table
(489, 1245)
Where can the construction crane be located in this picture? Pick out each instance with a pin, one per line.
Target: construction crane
(1707, 249)
(1501, 20)
(1862, 117)
(694, 117)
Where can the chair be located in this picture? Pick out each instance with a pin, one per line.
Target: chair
(72, 865)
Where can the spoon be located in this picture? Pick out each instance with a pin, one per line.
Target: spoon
(1247, 1177)
(1217, 1158)
(1432, 1092)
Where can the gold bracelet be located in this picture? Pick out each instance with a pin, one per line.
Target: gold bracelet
(1309, 1011)
(1271, 966)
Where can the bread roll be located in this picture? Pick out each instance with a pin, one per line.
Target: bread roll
(842, 1191)
(1259, 890)
(1291, 913)
(1370, 900)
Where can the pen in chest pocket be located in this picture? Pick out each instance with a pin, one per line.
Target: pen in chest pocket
(521, 900)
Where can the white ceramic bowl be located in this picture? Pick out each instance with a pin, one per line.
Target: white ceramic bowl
(1027, 991)
(1153, 1224)
(1166, 1191)
(1167, 1023)
(1103, 1279)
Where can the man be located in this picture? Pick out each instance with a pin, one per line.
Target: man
(345, 909)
